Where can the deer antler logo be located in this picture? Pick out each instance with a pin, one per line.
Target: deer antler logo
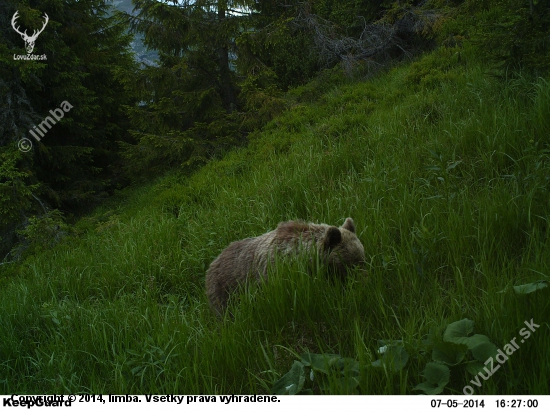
(29, 40)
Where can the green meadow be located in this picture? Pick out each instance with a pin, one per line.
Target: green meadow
(445, 170)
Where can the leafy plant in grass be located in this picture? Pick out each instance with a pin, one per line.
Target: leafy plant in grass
(452, 352)
(318, 369)
(41, 233)
(334, 372)
(394, 356)
(456, 344)
(530, 287)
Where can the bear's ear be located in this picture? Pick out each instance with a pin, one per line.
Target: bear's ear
(349, 225)
(332, 237)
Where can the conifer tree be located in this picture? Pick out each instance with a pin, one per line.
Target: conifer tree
(75, 160)
(190, 99)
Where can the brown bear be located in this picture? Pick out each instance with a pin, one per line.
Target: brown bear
(338, 248)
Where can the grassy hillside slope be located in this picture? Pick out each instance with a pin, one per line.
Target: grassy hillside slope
(445, 171)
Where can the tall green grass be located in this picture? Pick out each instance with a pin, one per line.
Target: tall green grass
(445, 172)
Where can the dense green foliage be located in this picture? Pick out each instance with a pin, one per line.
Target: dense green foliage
(444, 169)
(514, 33)
(76, 163)
(443, 162)
(223, 66)
(222, 70)
(188, 100)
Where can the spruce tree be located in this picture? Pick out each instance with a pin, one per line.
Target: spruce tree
(190, 100)
(75, 162)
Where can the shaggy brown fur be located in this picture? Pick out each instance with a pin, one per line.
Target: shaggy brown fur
(242, 260)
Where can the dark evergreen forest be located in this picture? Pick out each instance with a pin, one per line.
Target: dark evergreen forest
(122, 179)
(222, 69)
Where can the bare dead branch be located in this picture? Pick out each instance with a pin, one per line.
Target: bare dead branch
(374, 45)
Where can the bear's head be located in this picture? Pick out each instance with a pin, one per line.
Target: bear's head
(343, 247)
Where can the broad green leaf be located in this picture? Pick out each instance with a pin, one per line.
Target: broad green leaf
(449, 353)
(437, 377)
(475, 340)
(484, 351)
(530, 287)
(474, 367)
(292, 382)
(395, 358)
(320, 362)
(457, 332)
